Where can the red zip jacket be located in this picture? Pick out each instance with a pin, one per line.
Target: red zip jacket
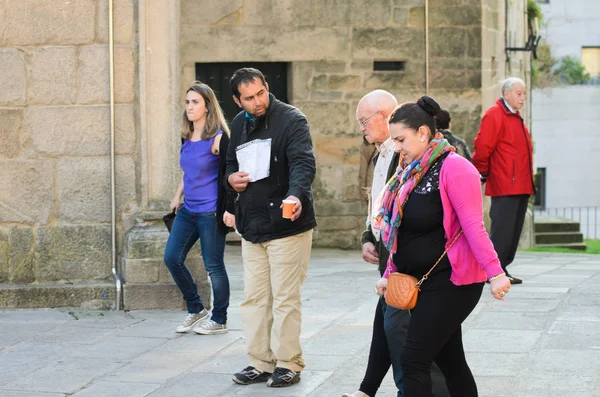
(503, 152)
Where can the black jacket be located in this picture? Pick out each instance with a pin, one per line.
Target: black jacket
(459, 144)
(367, 235)
(257, 214)
(225, 198)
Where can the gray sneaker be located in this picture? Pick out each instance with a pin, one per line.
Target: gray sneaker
(191, 320)
(210, 328)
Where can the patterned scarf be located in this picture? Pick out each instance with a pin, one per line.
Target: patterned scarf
(390, 203)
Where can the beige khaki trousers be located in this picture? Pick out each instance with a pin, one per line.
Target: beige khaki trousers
(274, 272)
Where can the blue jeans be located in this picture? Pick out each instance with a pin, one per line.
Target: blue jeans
(188, 227)
(395, 324)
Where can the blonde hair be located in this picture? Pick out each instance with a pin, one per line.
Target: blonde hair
(215, 120)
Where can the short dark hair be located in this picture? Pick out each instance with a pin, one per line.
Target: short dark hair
(244, 76)
(443, 119)
(414, 115)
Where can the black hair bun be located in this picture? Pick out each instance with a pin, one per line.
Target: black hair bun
(429, 105)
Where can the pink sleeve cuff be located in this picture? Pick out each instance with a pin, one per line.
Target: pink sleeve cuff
(492, 269)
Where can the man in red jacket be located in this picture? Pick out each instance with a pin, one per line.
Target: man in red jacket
(504, 158)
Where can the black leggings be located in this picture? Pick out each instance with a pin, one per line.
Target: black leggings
(379, 356)
(435, 334)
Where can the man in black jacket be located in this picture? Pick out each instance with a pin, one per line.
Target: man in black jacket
(275, 250)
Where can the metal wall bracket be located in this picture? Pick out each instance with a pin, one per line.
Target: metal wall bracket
(531, 44)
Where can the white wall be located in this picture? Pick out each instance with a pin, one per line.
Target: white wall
(570, 25)
(566, 134)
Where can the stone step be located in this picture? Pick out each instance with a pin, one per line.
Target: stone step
(164, 296)
(555, 225)
(96, 296)
(152, 221)
(233, 239)
(573, 246)
(558, 238)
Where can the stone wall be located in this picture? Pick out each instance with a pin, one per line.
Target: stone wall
(55, 133)
(331, 46)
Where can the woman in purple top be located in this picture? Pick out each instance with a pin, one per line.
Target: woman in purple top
(434, 200)
(207, 209)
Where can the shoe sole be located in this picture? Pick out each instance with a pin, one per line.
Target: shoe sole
(186, 329)
(215, 332)
(293, 382)
(513, 281)
(241, 382)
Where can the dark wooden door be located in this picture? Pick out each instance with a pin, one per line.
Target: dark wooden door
(217, 75)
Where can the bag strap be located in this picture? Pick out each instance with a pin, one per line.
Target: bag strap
(439, 260)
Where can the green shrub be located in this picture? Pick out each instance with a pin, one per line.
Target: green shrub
(534, 11)
(571, 71)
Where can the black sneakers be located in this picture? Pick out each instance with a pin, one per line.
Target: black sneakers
(283, 377)
(251, 375)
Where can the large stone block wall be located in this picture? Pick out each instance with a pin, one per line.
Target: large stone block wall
(55, 134)
(331, 46)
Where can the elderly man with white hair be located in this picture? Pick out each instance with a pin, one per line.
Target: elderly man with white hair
(504, 158)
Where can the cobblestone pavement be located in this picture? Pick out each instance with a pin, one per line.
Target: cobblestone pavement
(544, 340)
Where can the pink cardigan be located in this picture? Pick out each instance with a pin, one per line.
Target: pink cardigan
(472, 256)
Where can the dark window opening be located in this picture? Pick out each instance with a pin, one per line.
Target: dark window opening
(217, 75)
(540, 186)
(389, 66)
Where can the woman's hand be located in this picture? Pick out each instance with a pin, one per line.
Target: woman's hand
(228, 219)
(174, 206)
(381, 286)
(499, 287)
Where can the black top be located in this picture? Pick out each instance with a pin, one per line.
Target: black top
(421, 235)
(292, 170)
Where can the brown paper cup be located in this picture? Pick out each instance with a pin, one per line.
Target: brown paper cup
(288, 206)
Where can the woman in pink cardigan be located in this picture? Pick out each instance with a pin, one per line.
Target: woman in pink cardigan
(435, 194)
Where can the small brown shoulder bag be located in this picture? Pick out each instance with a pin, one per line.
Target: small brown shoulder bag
(403, 290)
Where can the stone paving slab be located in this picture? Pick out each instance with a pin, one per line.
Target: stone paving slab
(544, 340)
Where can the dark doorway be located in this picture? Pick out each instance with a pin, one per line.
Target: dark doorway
(540, 187)
(217, 75)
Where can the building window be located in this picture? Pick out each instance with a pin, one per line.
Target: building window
(590, 57)
(217, 75)
(540, 186)
(389, 66)
(543, 1)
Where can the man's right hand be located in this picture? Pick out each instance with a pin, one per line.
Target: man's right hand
(238, 181)
(369, 253)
